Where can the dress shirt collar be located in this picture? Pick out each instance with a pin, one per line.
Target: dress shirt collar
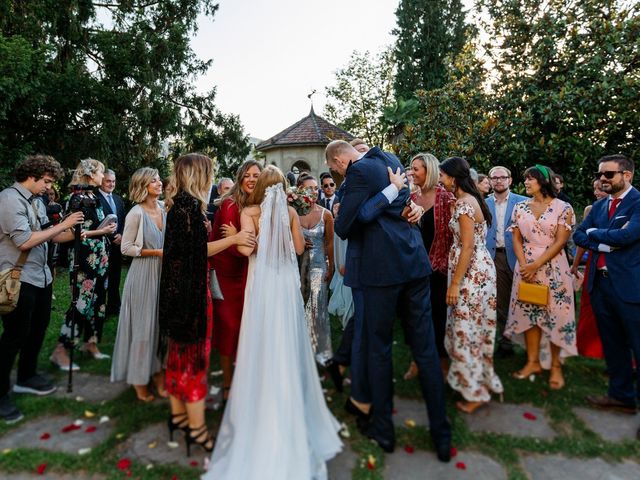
(624, 194)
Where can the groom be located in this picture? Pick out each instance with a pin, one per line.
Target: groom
(394, 273)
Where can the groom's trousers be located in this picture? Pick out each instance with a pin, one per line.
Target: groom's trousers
(411, 300)
(360, 389)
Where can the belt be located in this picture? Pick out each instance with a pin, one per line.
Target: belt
(500, 249)
(603, 272)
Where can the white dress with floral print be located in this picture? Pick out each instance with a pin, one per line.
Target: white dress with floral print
(557, 319)
(471, 323)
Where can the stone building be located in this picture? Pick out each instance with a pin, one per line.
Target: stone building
(302, 145)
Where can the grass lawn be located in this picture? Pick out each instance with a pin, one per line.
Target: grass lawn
(583, 377)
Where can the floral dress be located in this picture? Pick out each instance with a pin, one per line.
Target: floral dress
(557, 319)
(471, 323)
(93, 262)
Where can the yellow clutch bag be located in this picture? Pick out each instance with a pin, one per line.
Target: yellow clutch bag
(533, 293)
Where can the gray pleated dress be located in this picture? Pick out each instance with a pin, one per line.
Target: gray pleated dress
(135, 353)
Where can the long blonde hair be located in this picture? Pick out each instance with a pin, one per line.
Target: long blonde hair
(236, 193)
(83, 174)
(140, 180)
(271, 175)
(192, 174)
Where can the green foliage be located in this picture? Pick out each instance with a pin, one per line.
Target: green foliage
(363, 89)
(429, 33)
(110, 80)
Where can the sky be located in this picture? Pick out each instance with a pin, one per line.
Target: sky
(268, 55)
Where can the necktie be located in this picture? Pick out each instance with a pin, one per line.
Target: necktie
(329, 204)
(602, 262)
(111, 203)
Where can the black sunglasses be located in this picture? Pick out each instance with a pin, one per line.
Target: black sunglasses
(325, 185)
(609, 174)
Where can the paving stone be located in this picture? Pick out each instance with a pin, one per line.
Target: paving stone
(137, 448)
(407, 409)
(420, 464)
(558, 467)
(510, 419)
(91, 388)
(611, 426)
(341, 466)
(52, 475)
(32, 435)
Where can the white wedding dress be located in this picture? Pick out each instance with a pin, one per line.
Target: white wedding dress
(276, 424)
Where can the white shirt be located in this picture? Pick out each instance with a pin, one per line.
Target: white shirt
(501, 212)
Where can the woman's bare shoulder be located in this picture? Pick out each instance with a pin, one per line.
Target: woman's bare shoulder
(252, 210)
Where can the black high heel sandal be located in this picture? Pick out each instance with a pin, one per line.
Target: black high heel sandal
(181, 424)
(199, 432)
(224, 400)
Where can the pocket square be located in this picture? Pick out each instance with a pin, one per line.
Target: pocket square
(620, 217)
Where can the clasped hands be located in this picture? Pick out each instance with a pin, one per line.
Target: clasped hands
(528, 271)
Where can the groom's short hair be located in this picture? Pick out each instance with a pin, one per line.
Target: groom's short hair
(335, 148)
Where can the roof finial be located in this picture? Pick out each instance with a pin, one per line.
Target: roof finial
(311, 99)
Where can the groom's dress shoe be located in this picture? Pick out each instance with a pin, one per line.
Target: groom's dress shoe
(608, 403)
(385, 444)
(443, 451)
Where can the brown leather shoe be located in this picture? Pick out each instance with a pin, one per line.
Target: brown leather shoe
(608, 403)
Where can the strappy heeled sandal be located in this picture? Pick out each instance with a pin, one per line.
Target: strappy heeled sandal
(200, 436)
(181, 424)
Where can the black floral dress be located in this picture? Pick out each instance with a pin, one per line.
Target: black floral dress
(93, 261)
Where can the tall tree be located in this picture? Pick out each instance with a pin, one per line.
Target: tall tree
(362, 90)
(429, 34)
(109, 79)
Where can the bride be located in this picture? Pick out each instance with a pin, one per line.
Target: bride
(276, 424)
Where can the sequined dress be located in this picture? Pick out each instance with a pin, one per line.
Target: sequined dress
(316, 308)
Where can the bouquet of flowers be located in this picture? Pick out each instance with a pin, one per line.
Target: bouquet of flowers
(300, 199)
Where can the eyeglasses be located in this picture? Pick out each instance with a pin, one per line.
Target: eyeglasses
(328, 185)
(501, 179)
(609, 174)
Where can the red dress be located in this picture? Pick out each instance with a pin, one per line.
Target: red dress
(231, 271)
(588, 337)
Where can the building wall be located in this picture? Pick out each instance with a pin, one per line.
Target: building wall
(285, 157)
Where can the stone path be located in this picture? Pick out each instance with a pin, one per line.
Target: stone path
(511, 419)
(88, 387)
(613, 427)
(58, 434)
(419, 464)
(559, 467)
(341, 466)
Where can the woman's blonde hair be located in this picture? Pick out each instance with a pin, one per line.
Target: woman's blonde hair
(271, 175)
(140, 180)
(236, 193)
(432, 167)
(192, 174)
(83, 174)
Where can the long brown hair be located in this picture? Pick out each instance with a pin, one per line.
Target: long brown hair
(271, 175)
(237, 194)
(192, 174)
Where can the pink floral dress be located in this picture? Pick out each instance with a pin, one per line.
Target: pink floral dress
(471, 323)
(557, 319)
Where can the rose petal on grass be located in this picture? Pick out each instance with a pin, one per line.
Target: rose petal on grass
(104, 419)
(89, 414)
(194, 463)
(78, 423)
(409, 422)
(371, 462)
(408, 449)
(128, 473)
(45, 436)
(79, 399)
(153, 444)
(149, 466)
(84, 451)
(41, 468)
(529, 416)
(70, 428)
(454, 451)
(120, 436)
(172, 444)
(461, 466)
(124, 464)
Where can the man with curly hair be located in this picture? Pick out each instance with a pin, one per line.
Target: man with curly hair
(21, 218)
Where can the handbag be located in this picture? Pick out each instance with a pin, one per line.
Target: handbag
(10, 285)
(533, 293)
(214, 286)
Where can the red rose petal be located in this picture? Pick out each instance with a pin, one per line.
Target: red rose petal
(371, 466)
(194, 463)
(91, 429)
(41, 468)
(71, 428)
(175, 477)
(461, 466)
(124, 464)
(454, 451)
(395, 411)
(45, 436)
(529, 416)
(408, 448)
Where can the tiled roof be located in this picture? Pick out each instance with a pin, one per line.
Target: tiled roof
(311, 130)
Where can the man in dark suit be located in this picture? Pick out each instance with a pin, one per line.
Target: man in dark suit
(328, 187)
(113, 203)
(394, 274)
(612, 232)
(500, 246)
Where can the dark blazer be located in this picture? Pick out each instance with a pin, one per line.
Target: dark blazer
(508, 236)
(621, 232)
(323, 202)
(120, 210)
(392, 249)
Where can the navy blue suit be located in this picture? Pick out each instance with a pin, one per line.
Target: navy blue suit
(615, 297)
(394, 276)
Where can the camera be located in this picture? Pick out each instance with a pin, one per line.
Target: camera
(80, 199)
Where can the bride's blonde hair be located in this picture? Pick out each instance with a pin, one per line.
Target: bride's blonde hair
(271, 175)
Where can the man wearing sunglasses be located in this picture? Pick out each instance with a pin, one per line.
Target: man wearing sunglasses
(329, 191)
(612, 232)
